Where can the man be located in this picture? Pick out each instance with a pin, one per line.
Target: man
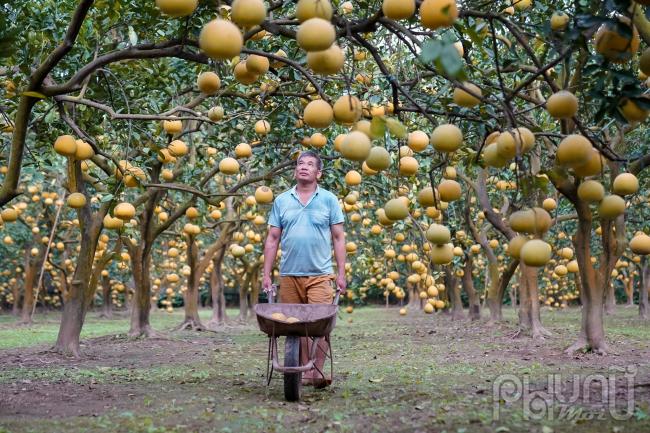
(304, 221)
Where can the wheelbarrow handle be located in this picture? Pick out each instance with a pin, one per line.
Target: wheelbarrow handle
(270, 294)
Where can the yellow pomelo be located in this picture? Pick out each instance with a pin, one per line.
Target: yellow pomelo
(398, 9)
(491, 156)
(243, 75)
(442, 254)
(395, 209)
(262, 127)
(595, 164)
(408, 166)
(177, 148)
(465, 98)
(614, 46)
(326, 62)
(263, 195)
(611, 206)
(318, 114)
(84, 151)
(625, 184)
(449, 190)
(347, 109)
(559, 21)
(418, 141)
(208, 83)
(65, 145)
(76, 200)
(438, 13)
(378, 159)
(640, 244)
(515, 244)
(438, 234)
(315, 34)
(248, 13)
(535, 253)
(562, 105)
(573, 151)
(243, 150)
(124, 211)
(352, 178)
(446, 138)
(221, 39)
(306, 9)
(425, 197)
(356, 146)
(177, 8)
(215, 113)
(632, 111)
(229, 166)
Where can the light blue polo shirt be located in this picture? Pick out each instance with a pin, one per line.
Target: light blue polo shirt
(306, 241)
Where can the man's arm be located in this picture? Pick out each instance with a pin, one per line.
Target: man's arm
(270, 251)
(338, 239)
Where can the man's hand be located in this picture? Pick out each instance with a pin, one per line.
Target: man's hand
(341, 284)
(267, 283)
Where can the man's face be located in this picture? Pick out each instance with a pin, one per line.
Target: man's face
(307, 169)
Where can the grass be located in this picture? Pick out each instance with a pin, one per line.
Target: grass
(392, 373)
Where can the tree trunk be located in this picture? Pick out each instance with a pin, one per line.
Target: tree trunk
(456, 302)
(643, 290)
(414, 296)
(140, 304)
(219, 316)
(107, 307)
(494, 301)
(468, 285)
(610, 299)
(79, 295)
(629, 290)
(191, 296)
(15, 308)
(529, 312)
(28, 299)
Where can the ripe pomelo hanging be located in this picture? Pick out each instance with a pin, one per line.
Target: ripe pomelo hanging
(515, 244)
(625, 184)
(632, 111)
(221, 39)
(315, 34)
(446, 138)
(442, 254)
(614, 45)
(438, 234)
(243, 75)
(465, 98)
(208, 83)
(248, 13)
(595, 164)
(177, 148)
(356, 146)
(229, 166)
(243, 150)
(65, 145)
(256, 64)
(418, 141)
(535, 253)
(640, 244)
(573, 151)
(76, 200)
(352, 178)
(562, 105)
(347, 109)
(262, 127)
(306, 9)
(425, 197)
(215, 113)
(326, 62)
(438, 13)
(408, 166)
(611, 206)
(318, 114)
(124, 211)
(378, 159)
(449, 190)
(177, 8)
(395, 209)
(172, 126)
(84, 151)
(263, 195)
(398, 9)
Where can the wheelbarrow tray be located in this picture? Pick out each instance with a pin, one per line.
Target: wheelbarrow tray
(316, 320)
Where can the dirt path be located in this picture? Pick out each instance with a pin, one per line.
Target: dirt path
(414, 373)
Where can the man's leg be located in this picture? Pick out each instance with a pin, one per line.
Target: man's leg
(319, 291)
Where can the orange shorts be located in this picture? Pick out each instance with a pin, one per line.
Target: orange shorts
(306, 290)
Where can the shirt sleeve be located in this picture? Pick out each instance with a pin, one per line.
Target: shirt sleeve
(274, 216)
(336, 214)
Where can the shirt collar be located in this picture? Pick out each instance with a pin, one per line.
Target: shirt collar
(294, 190)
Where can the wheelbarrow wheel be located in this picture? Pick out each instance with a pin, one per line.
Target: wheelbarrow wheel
(292, 359)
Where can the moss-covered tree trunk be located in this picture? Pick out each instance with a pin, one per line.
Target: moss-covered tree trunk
(468, 285)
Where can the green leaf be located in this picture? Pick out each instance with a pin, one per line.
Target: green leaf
(133, 38)
(451, 62)
(377, 127)
(106, 198)
(396, 128)
(431, 50)
(34, 94)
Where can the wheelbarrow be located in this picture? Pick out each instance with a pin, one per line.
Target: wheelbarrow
(314, 321)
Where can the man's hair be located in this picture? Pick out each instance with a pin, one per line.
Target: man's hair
(312, 154)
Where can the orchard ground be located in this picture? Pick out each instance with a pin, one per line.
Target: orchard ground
(392, 374)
